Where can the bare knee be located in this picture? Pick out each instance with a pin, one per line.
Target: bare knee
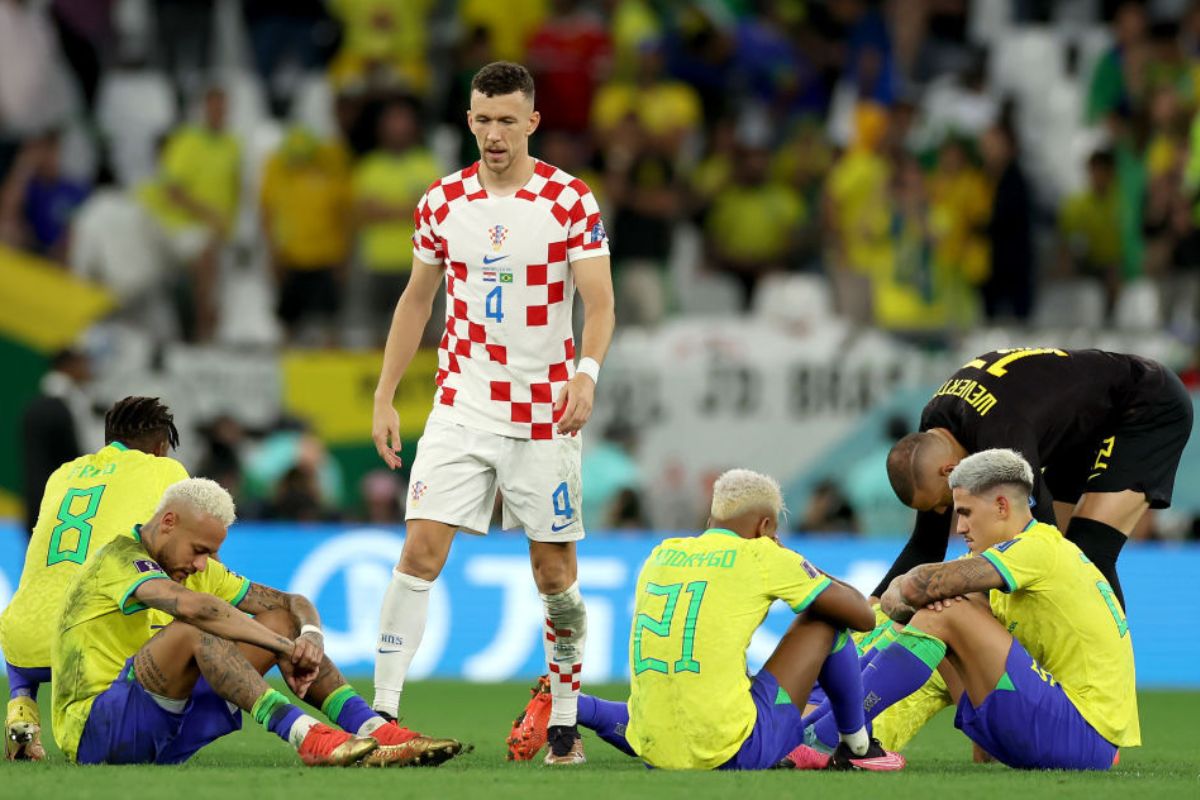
(554, 568)
(945, 624)
(426, 548)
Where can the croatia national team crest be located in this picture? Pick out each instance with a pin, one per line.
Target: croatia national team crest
(497, 233)
(597, 234)
(418, 491)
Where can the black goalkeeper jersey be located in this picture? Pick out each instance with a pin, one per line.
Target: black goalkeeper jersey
(1050, 405)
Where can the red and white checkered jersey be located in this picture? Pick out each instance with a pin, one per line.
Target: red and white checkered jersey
(509, 347)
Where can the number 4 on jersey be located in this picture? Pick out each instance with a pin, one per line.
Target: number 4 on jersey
(493, 306)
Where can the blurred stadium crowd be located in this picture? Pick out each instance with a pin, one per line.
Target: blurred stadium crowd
(245, 172)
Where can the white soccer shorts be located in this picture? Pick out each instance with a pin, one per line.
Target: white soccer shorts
(458, 471)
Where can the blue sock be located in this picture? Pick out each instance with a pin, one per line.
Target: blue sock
(841, 679)
(894, 674)
(346, 708)
(276, 714)
(608, 719)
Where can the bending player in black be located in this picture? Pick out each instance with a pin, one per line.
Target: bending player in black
(1103, 431)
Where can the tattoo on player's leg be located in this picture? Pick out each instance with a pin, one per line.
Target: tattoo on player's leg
(329, 677)
(148, 673)
(228, 672)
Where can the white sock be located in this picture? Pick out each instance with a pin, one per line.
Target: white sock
(858, 742)
(368, 727)
(565, 634)
(401, 626)
(300, 729)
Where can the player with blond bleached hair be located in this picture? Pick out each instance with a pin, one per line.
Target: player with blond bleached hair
(124, 694)
(699, 600)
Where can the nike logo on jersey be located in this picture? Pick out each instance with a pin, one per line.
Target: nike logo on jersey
(388, 652)
(487, 260)
(564, 526)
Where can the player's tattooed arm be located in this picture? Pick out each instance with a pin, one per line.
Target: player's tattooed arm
(260, 599)
(210, 614)
(930, 583)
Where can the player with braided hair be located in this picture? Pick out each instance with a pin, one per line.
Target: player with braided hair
(86, 504)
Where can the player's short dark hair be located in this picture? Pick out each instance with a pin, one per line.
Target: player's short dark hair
(901, 466)
(503, 77)
(140, 422)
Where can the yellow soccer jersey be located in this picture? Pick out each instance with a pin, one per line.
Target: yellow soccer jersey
(1060, 608)
(698, 602)
(102, 625)
(86, 504)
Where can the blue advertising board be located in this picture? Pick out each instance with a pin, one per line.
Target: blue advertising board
(485, 618)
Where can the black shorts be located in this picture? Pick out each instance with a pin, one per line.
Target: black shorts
(1142, 450)
(308, 293)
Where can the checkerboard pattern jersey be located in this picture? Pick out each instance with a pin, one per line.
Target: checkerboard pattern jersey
(508, 349)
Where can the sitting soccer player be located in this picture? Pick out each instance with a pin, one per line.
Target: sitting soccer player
(86, 503)
(1046, 669)
(124, 695)
(699, 600)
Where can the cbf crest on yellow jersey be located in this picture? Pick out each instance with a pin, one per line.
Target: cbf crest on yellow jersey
(699, 600)
(1062, 611)
(86, 504)
(103, 624)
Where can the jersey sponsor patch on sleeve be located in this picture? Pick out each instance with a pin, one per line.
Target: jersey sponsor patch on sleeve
(147, 565)
(808, 568)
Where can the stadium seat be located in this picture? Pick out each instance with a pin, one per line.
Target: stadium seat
(1027, 59)
(710, 295)
(133, 109)
(312, 105)
(1078, 303)
(1139, 306)
(793, 298)
(247, 103)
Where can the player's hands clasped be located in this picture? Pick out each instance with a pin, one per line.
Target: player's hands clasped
(385, 432)
(574, 404)
(308, 650)
(300, 668)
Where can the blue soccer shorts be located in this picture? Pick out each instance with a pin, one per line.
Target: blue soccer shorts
(127, 725)
(1030, 723)
(777, 731)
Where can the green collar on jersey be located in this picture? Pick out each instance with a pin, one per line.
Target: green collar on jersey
(119, 445)
(722, 532)
(137, 532)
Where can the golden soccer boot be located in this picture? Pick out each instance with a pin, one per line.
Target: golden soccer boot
(402, 747)
(328, 747)
(23, 731)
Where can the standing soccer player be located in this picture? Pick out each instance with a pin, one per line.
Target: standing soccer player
(1104, 433)
(86, 504)
(512, 237)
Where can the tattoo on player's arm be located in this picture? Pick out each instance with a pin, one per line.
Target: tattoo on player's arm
(930, 582)
(261, 598)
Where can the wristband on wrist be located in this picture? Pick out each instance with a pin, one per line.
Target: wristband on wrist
(589, 367)
(311, 629)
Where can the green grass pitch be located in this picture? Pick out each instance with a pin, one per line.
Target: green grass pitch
(254, 764)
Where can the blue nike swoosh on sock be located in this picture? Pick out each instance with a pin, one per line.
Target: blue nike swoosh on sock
(387, 652)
